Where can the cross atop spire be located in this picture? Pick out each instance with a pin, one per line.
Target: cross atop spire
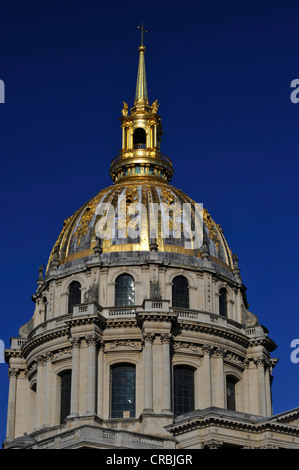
(141, 97)
(142, 31)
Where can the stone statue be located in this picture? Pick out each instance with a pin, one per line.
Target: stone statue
(155, 293)
(91, 295)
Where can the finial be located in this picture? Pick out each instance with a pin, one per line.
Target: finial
(142, 31)
(55, 260)
(40, 280)
(236, 269)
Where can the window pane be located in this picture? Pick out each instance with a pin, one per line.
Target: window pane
(180, 292)
(124, 291)
(123, 391)
(223, 303)
(65, 395)
(230, 393)
(74, 295)
(183, 390)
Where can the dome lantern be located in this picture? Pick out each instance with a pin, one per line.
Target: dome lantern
(140, 155)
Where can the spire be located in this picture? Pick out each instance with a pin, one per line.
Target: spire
(140, 155)
(141, 96)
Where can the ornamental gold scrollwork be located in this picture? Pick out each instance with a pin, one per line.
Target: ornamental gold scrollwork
(126, 220)
(211, 227)
(86, 218)
(175, 216)
(167, 196)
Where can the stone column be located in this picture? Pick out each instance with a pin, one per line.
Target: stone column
(91, 375)
(218, 390)
(11, 410)
(39, 392)
(47, 390)
(268, 388)
(239, 306)
(148, 371)
(100, 400)
(246, 387)
(75, 376)
(260, 370)
(166, 377)
(206, 388)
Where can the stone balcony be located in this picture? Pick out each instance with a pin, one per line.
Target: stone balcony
(256, 332)
(17, 343)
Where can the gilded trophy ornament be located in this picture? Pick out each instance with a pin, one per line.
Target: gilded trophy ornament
(154, 107)
(125, 108)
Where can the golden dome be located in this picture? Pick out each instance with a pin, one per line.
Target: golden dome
(78, 238)
(141, 176)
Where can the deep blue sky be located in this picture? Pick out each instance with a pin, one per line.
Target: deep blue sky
(222, 73)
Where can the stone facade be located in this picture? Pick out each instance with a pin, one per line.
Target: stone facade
(155, 337)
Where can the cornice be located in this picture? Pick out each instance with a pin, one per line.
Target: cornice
(221, 421)
(222, 332)
(44, 338)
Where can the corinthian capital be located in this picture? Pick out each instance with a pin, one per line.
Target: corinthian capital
(91, 340)
(165, 338)
(13, 372)
(75, 342)
(207, 349)
(148, 337)
(220, 352)
(259, 361)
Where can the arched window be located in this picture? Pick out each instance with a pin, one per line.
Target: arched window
(65, 394)
(139, 138)
(183, 388)
(223, 302)
(124, 290)
(180, 292)
(122, 391)
(231, 392)
(74, 295)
